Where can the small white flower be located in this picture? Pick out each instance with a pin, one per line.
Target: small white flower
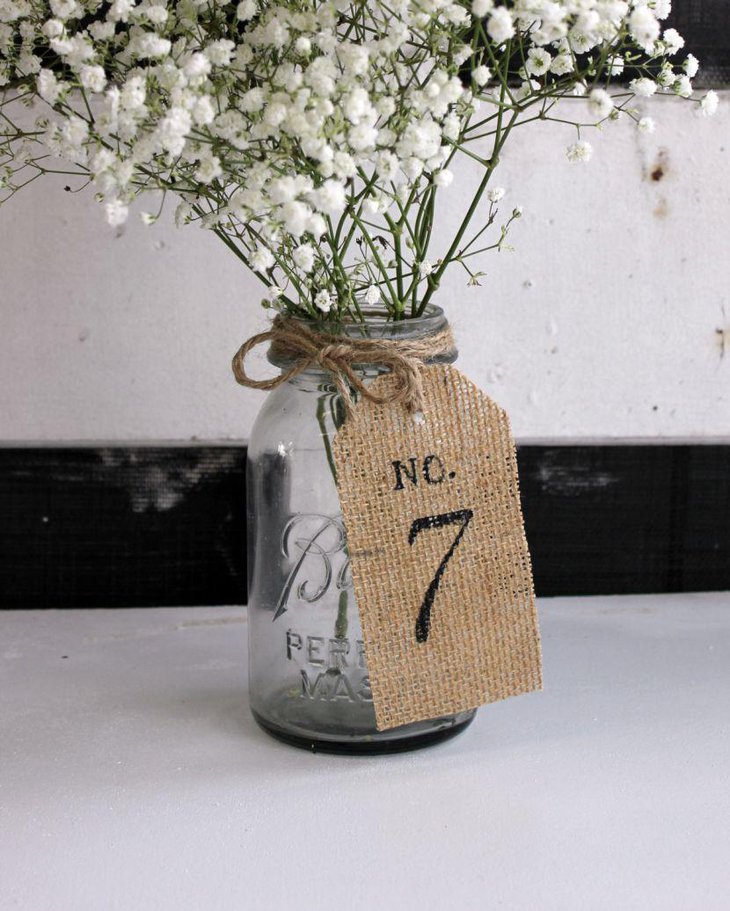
(500, 27)
(356, 106)
(386, 166)
(62, 46)
(683, 87)
(93, 78)
(133, 93)
(562, 64)
(462, 54)
(101, 31)
(64, 9)
(252, 100)
(579, 152)
(296, 217)
(643, 87)
(285, 189)
(329, 198)
(75, 131)
(246, 10)
(173, 130)
(456, 14)
(156, 14)
(151, 46)
(647, 125)
(443, 178)
(120, 10)
(48, 86)
(323, 301)
(262, 259)
(316, 225)
(496, 194)
(102, 161)
(673, 41)
(691, 66)
(362, 137)
(372, 295)
(451, 127)
(617, 66)
(666, 76)
(197, 67)
(600, 104)
(538, 61)
(644, 27)
(147, 218)
(420, 139)
(203, 111)
(219, 52)
(183, 214)
(116, 212)
(413, 168)
(373, 204)
(480, 8)
(481, 75)
(208, 169)
(303, 257)
(709, 104)
(303, 46)
(53, 28)
(424, 268)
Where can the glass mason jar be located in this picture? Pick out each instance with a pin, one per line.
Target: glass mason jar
(308, 675)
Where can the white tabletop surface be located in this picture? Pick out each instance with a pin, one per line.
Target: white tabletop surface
(133, 777)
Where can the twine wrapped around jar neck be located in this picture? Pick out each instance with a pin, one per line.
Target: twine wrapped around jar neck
(340, 355)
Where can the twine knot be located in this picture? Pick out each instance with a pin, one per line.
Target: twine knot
(341, 355)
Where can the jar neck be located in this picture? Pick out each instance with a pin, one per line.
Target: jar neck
(378, 325)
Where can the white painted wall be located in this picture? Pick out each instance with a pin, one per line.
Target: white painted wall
(603, 324)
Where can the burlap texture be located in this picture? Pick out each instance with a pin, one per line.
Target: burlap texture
(479, 642)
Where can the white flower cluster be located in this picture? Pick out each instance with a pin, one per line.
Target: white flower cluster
(312, 135)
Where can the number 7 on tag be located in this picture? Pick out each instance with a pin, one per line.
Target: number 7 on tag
(461, 517)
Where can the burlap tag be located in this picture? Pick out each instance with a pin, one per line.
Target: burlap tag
(439, 558)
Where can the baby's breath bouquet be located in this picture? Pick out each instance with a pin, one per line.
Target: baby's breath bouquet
(317, 138)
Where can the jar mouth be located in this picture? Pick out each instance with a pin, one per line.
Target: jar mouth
(378, 324)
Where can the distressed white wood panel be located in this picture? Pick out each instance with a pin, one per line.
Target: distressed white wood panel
(606, 322)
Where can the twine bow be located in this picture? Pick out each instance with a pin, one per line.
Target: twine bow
(340, 355)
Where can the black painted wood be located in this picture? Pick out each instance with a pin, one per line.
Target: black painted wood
(705, 26)
(122, 527)
(131, 527)
(618, 519)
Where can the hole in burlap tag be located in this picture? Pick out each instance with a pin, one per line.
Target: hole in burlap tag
(439, 558)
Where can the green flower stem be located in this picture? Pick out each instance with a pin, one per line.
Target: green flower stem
(322, 421)
(500, 138)
(234, 249)
(341, 621)
(397, 304)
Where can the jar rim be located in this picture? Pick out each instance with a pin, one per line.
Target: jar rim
(378, 323)
(377, 317)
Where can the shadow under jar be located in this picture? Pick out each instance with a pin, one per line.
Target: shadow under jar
(308, 676)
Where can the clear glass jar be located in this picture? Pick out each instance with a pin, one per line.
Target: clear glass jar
(307, 671)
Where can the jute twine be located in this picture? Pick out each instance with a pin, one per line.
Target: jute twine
(340, 355)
